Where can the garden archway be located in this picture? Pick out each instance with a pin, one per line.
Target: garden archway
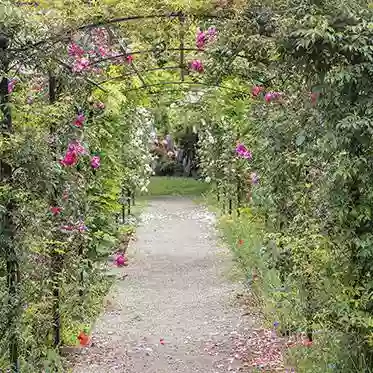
(290, 80)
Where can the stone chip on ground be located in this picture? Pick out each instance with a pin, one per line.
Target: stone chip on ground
(176, 312)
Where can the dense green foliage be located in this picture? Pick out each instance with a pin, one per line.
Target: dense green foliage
(312, 149)
(71, 155)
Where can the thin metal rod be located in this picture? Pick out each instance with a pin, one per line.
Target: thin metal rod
(128, 202)
(63, 35)
(123, 213)
(120, 77)
(123, 207)
(182, 35)
(56, 258)
(148, 51)
(191, 83)
(127, 19)
(143, 51)
(138, 17)
(238, 196)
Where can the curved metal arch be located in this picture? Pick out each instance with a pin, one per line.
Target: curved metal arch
(121, 77)
(65, 34)
(169, 91)
(190, 83)
(150, 16)
(144, 51)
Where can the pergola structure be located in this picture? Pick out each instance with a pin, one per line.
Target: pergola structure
(18, 53)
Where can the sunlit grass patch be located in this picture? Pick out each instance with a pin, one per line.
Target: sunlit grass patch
(176, 186)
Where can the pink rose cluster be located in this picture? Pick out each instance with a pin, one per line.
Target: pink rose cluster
(243, 152)
(121, 260)
(204, 37)
(101, 38)
(81, 61)
(79, 120)
(268, 97)
(95, 162)
(84, 60)
(11, 85)
(276, 96)
(196, 65)
(74, 150)
(272, 96)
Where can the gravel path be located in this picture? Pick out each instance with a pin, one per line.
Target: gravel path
(176, 311)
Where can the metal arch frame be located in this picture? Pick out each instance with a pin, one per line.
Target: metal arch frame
(190, 83)
(122, 76)
(143, 51)
(169, 91)
(63, 36)
(180, 15)
(181, 66)
(146, 51)
(152, 16)
(173, 15)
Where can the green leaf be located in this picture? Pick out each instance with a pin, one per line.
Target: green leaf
(300, 139)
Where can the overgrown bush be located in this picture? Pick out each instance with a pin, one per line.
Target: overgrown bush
(308, 126)
(68, 154)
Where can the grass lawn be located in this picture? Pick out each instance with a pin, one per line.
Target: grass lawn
(176, 186)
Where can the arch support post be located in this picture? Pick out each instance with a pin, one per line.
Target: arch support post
(8, 230)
